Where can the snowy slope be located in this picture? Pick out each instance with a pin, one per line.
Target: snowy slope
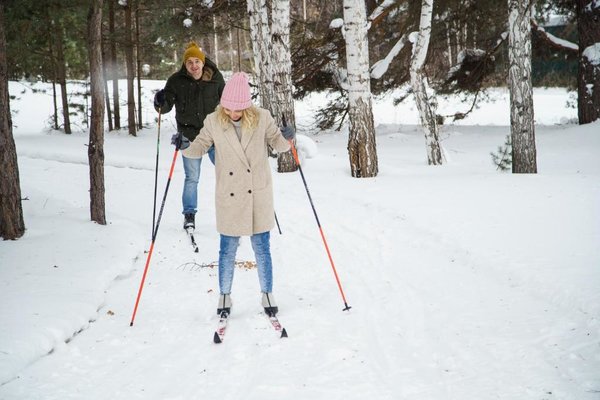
(464, 282)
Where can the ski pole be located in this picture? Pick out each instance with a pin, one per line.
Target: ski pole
(154, 233)
(277, 222)
(295, 154)
(156, 175)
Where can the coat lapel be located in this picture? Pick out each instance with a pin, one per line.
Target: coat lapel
(247, 138)
(235, 144)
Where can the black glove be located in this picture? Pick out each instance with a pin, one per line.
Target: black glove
(288, 132)
(180, 141)
(159, 98)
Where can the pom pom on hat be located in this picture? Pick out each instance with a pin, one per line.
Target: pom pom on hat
(236, 94)
(193, 50)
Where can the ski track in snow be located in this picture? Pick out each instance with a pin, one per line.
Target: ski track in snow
(432, 317)
(168, 353)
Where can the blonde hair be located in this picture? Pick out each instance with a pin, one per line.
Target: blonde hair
(250, 117)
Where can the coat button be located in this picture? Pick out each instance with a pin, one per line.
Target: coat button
(248, 170)
(231, 194)
(230, 173)
(249, 191)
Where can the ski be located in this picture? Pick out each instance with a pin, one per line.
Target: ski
(277, 325)
(219, 334)
(221, 328)
(190, 232)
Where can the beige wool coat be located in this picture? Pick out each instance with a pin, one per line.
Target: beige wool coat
(244, 186)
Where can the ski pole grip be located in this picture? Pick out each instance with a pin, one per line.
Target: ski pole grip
(294, 152)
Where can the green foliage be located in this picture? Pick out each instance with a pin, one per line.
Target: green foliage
(32, 40)
(317, 50)
(502, 158)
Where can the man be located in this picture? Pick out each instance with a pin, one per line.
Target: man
(195, 91)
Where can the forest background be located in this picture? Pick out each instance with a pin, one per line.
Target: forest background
(145, 39)
(352, 49)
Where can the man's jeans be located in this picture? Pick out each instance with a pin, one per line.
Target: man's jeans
(262, 252)
(191, 167)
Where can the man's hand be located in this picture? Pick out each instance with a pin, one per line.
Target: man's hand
(180, 141)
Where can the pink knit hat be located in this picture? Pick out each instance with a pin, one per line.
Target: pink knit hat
(236, 94)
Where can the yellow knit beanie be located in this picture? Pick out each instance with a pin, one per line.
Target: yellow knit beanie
(193, 50)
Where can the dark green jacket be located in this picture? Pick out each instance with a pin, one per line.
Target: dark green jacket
(193, 99)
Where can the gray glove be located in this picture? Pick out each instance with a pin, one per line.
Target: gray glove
(288, 132)
(180, 141)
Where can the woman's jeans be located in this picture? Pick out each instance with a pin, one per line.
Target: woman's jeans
(262, 253)
(191, 167)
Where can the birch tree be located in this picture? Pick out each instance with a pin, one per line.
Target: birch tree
(11, 210)
(282, 75)
(362, 149)
(96, 141)
(520, 87)
(260, 36)
(419, 84)
(272, 58)
(588, 81)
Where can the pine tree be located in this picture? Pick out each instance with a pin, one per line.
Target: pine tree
(11, 210)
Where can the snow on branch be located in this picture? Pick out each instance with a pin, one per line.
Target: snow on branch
(381, 66)
(384, 8)
(553, 40)
(592, 54)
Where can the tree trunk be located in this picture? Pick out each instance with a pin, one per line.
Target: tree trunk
(520, 88)
(106, 95)
(96, 142)
(282, 75)
(261, 45)
(114, 70)
(11, 210)
(61, 71)
(231, 51)
(54, 106)
(130, 72)
(362, 148)
(419, 85)
(138, 59)
(588, 78)
(215, 40)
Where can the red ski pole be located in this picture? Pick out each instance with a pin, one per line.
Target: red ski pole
(156, 174)
(337, 279)
(154, 233)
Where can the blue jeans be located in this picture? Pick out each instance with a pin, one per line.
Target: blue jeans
(191, 167)
(262, 252)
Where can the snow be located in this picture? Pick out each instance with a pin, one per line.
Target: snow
(336, 23)
(380, 67)
(464, 282)
(385, 4)
(592, 53)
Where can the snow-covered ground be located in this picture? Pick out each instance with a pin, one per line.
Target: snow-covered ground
(464, 282)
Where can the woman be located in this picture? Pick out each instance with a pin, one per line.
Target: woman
(241, 133)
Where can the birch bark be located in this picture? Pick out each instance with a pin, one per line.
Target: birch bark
(588, 82)
(419, 84)
(520, 87)
(362, 148)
